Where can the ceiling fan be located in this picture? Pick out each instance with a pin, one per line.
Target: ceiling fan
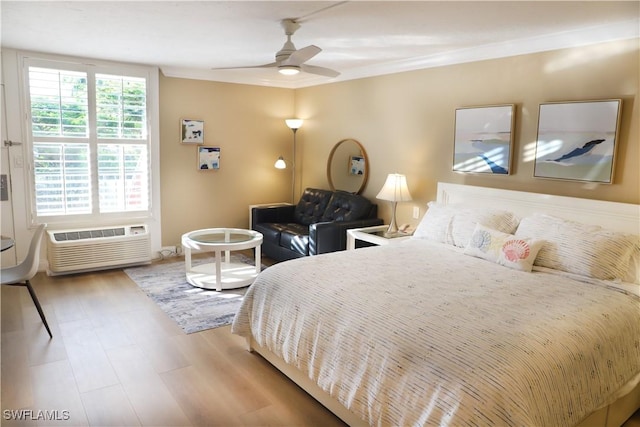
(289, 60)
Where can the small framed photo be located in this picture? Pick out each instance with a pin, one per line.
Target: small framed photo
(192, 131)
(356, 165)
(208, 158)
(577, 140)
(483, 139)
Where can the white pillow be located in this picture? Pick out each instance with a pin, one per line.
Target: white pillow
(582, 249)
(454, 224)
(436, 224)
(465, 221)
(505, 249)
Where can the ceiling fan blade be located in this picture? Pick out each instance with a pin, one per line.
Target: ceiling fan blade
(270, 65)
(301, 56)
(327, 72)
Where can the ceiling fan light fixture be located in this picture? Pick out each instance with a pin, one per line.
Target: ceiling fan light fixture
(288, 70)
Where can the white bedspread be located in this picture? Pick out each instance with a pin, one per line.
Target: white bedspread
(414, 334)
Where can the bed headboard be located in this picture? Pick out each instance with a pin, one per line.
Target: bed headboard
(611, 215)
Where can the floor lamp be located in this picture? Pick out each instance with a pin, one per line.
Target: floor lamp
(294, 125)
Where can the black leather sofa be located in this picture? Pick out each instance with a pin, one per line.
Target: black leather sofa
(316, 225)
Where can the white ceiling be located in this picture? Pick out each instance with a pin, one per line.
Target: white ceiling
(358, 38)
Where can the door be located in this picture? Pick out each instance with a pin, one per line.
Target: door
(15, 221)
(6, 214)
(6, 218)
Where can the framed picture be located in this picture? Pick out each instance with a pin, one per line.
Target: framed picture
(483, 139)
(192, 131)
(208, 158)
(577, 140)
(356, 165)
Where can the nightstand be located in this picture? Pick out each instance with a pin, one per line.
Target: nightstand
(374, 235)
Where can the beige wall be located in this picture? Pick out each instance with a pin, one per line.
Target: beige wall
(405, 122)
(247, 123)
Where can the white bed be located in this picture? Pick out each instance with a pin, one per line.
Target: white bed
(437, 330)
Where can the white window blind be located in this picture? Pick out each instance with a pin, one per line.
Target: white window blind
(120, 107)
(62, 178)
(59, 102)
(89, 138)
(123, 177)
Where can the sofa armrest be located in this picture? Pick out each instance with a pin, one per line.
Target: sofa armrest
(281, 214)
(332, 236)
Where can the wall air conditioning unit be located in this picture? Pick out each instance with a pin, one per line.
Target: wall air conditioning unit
(90, 249)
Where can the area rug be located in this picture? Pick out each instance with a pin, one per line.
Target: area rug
(193, 309)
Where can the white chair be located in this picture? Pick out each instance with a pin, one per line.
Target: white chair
(21, 274)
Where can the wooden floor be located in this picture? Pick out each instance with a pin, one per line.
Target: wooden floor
(117, 360)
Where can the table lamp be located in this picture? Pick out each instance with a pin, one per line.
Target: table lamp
(394, 190)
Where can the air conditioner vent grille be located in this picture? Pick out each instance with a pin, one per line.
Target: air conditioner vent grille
(88, 234)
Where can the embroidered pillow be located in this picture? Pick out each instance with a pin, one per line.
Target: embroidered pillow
(583, 249)
(505, 249)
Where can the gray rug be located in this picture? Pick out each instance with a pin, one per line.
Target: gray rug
(193, 309)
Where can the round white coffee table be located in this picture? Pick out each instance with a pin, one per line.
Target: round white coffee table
(221, 274)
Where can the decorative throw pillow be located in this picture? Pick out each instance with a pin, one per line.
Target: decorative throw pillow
(583, 249)
(505, 249)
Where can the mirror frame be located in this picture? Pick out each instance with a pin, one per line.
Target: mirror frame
(365, 177)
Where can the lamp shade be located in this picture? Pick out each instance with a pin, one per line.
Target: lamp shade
(294, 123)
(280, 163)
(395, 189)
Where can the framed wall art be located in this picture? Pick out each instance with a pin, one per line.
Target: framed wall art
(577, 140)
(356, 165)
(208, 158)
(192, 131)
(483, 139)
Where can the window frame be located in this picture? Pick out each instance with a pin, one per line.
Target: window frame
(93, 68)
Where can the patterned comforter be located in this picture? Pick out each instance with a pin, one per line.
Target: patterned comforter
(417, 333)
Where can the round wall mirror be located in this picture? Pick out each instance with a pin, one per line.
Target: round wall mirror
(348, 167)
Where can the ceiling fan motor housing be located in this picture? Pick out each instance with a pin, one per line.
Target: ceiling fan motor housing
(287, 49)
(290, 27)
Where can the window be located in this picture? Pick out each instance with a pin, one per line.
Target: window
(89, 134)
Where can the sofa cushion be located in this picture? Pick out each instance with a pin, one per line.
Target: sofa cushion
(345, 206)
(295, 237)
(270, 230)
(311, 206)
